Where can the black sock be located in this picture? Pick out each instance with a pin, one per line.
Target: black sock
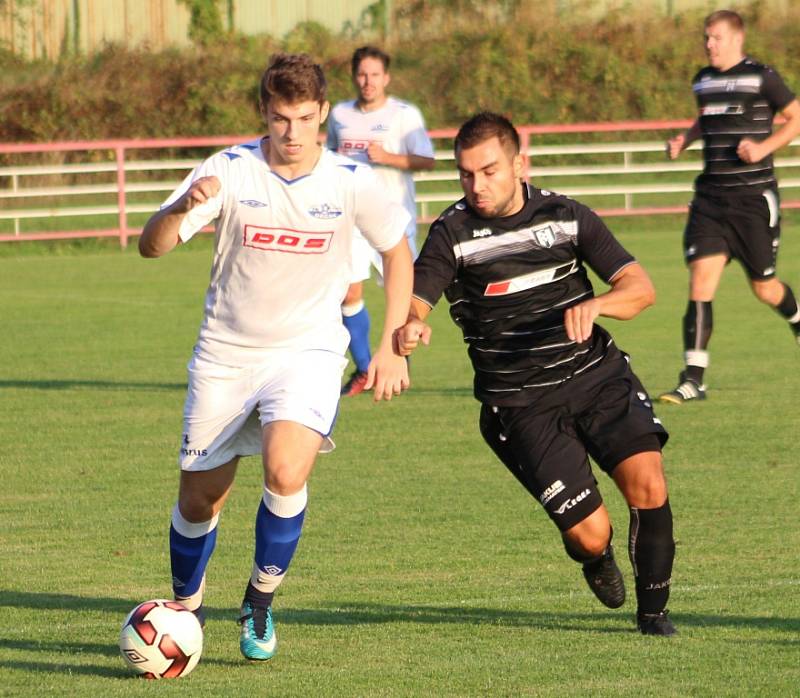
(698, 322)
(788, 307)
(695, 373)
(652, 550)
(262, 599)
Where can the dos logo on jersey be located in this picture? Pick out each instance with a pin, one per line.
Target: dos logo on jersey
(287, 240)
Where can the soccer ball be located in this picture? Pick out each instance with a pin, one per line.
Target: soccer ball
(161, 639)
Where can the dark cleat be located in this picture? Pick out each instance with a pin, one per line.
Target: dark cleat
(605, 579)
(655, 624)
(201, 615)
(686, 390)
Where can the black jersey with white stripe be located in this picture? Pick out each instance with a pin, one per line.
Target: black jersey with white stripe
(509, 281)
(737, 103)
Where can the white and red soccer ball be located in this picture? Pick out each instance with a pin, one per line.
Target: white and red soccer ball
(161, 639)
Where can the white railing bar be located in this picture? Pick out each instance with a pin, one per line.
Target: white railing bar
(75, 211)
(110, 188)
(98, 167)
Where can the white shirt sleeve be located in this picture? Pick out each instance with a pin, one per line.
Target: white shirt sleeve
(416, 137)
(382, 222)
(200, 216)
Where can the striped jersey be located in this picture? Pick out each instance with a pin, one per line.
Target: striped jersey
(733, 104)
(509, 281)
(281, 264)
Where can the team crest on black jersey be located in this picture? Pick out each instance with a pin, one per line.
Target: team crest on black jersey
(546, 237)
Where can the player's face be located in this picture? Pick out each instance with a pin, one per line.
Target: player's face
(294, 131)
(723, 45)
(371, 80)
(490, 177)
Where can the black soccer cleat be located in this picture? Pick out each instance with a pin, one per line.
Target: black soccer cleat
(686, 390)
(201, 615)
(605, 579)
(655, 624)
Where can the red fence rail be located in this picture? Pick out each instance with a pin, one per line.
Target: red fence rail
(119, 152)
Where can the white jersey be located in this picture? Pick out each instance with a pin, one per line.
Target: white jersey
(400, 129)
(281, 262)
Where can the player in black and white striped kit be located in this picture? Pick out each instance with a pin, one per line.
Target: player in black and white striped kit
(735, 211)
(511, 260)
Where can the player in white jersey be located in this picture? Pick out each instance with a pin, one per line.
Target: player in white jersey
(268, 362)
(388, 134)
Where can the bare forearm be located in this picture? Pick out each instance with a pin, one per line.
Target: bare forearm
(783, 136)
(419, 309)
(160, 233)
(628, 296)
(693, 133)
(398, 273)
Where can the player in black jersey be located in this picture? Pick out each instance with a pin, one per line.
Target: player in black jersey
(735, 211)
(511, 260)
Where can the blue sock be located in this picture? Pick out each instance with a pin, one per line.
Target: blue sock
(358, 327)
(277, 535)
(190, 548)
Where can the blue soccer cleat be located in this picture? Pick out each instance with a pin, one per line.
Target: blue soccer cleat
(257, 640)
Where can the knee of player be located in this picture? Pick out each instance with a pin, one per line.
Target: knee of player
(769, 292)
(198, 506)
(283, 479)
(581, 545)
(648, 493)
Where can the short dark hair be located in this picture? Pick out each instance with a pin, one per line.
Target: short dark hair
(368, 52)
(484, 126)
(293, 78)
(734, 19)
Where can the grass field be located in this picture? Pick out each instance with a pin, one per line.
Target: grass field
(424, 569)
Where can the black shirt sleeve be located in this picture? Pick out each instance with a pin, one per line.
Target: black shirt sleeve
(598, 247)
(775, 90)
(436, 267)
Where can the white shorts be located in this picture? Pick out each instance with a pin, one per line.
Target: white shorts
(227, 406)
(363, 257)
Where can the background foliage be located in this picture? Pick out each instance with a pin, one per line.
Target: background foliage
(452, 57)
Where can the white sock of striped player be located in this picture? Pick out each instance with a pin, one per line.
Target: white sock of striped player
(279, 523)
(190, 548)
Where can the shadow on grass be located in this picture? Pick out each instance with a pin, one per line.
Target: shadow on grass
(360, 613)
(90, 385)
(365, 613)
(81, 649)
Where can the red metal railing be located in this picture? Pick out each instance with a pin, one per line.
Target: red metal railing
(121, 149)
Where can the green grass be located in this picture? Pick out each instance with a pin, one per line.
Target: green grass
(424, 568)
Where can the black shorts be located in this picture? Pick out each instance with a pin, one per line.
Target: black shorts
(605, 413)
(747, 228)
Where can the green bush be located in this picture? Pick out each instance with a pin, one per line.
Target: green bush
(451, 57)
